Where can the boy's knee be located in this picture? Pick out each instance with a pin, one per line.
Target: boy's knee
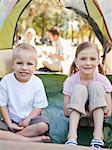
(44, 126)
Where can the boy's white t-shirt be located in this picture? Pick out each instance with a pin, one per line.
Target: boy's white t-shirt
(22, 98)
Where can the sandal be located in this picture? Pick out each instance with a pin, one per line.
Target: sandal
(71, 142)
(97, 143)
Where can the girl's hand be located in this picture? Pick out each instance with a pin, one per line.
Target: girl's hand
(68, 112)
(24, 123)
(107, 112)
(88, 114)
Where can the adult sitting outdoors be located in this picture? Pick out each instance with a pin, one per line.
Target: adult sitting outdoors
(61, 59)
(29, 37)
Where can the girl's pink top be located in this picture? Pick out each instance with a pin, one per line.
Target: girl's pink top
(71, 81)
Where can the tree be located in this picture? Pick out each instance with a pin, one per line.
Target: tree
(42, 15)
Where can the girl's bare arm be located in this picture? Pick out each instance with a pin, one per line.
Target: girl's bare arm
(108, 110)
(66, 102)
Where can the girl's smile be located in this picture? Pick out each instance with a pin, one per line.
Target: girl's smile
(87, 61)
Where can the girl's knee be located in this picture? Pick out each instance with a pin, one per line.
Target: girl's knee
(97, 109)
(96, 85)
(80, 88)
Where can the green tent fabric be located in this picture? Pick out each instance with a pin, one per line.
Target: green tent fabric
(5, 8)
(8, 29)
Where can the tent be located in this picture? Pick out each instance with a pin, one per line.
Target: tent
(11, 12)
(98, 20)
(98, 14)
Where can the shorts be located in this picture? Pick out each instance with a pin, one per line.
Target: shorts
(36, 120)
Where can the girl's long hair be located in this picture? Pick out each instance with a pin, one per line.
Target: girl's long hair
(81, 47)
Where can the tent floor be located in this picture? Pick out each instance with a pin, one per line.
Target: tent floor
(13, 145)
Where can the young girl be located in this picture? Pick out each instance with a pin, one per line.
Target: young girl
(87, 93)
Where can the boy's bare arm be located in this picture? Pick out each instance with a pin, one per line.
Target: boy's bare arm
(36, 112)
(5, 115)
(7, 119)
(108, 111)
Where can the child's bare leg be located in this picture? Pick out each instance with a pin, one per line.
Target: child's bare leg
(34, 130)
(98, 117)
(7, 135)
(73, 125)
(41, 138)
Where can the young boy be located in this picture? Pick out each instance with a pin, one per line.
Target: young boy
(22, 99)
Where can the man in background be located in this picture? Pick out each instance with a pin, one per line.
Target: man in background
(59, 60)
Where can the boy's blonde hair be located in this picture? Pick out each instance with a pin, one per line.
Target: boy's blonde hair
(24, 46)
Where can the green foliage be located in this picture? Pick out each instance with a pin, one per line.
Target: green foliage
(42, 15)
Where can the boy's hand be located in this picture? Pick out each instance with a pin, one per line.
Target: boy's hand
(24, 123)
(15, 127)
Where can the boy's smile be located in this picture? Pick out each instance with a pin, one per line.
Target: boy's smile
(24, 66)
